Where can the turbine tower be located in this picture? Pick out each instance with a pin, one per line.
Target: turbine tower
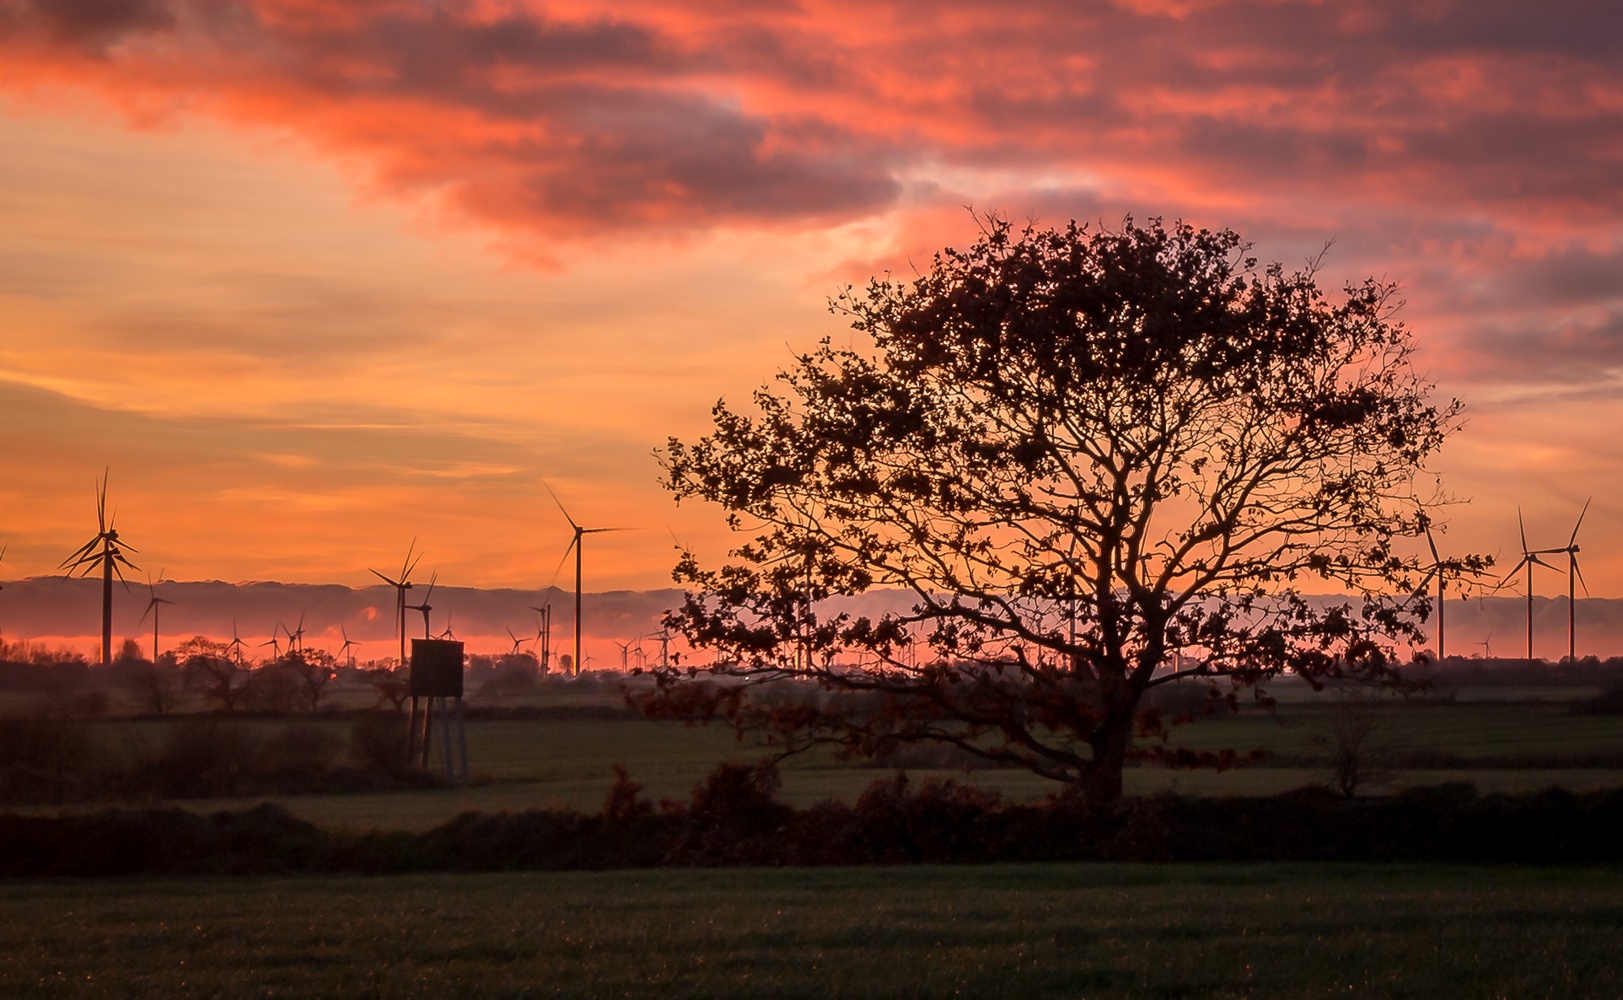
(107, 550)
(576, 543)
(152, 609)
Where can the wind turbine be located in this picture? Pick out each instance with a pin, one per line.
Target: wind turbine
(1439, 570)
(1574, 575)
(400, 586)
(1529, 558)
(516, 642)
(446, 633)
(152, 609)
(345, 648)
(1435, 570)
(425, 607)
(235, 645)
(275, 644)
(576, 543)
(543, 631)
(625, 655)
(106, 549)
(1487, 647)
(295, 636)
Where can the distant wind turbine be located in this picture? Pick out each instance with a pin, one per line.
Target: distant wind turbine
(1530, 558)
(295, 636)
(543, 631)
(401, 584)
(235, 645)
(576, 543)
(1574, 575)
(152, 609)
(425, 607)
(347, 646)
(107, 550)
(1487, 647)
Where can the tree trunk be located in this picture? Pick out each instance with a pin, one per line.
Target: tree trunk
(1101, 782)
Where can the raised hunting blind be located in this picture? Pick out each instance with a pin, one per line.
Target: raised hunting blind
(436, 676)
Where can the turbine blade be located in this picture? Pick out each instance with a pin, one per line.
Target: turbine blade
(1522, 528)
(560, 504)
(406, 564)
(1425, 581)
(1513, 571)
(1574, 539)
(1579, 573)
(559, 568)
(598, 531)
(101, 499)
(380, 576)
(144, 614)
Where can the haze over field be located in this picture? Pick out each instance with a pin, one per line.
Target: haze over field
(316, 278)
(54, 611)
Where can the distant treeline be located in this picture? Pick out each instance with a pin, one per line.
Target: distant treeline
(734, 819)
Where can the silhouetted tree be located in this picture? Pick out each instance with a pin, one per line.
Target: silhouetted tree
(209, 669)
(156, 684)
(391, 682)
(314, 668)
(1099, 462)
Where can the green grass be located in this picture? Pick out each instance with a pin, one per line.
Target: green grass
(1470, 730)
(1029, 931)
(1521, 745)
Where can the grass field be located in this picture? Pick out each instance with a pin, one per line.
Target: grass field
(1517, 740)
(1028, 931)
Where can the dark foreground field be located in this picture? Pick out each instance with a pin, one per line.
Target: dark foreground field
(1096, 931)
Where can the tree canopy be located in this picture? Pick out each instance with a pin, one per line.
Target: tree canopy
(1100, 462)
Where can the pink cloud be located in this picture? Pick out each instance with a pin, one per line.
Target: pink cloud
(1398, 127)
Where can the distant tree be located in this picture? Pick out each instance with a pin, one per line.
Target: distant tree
(276, 687)
(315, 669)
(1100, 462)
(392, 683)
(156, 684)
(208, 668)
(1352, 738)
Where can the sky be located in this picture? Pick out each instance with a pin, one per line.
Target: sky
(315, 279)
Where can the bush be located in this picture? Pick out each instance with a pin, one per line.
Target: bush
(377, 742)
(45, 759)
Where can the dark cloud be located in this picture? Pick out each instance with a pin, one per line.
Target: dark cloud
(85, 23)
(1442, 121)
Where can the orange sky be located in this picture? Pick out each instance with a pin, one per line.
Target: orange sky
(316, 278)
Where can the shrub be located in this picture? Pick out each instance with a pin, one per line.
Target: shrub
(45, 759)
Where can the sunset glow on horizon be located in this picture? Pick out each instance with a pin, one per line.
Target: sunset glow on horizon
(313, 280)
